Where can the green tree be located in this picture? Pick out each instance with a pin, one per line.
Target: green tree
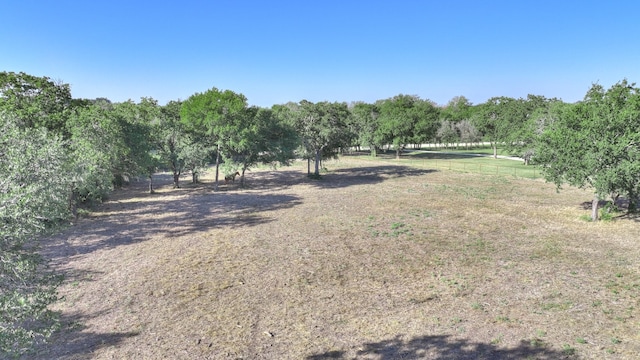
(364, 124)
(428, 119)
(498, 118)
(35, 101)
(196, 153)
(135, 121)
(457, 109)
(264, 140)
(97, 149)
(322, 128)
(596, 144)
(172, 140)
(217, 115)
(398, 119)
(34, 196)
(528, 122)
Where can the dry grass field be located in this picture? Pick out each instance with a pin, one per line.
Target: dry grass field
(377, 260)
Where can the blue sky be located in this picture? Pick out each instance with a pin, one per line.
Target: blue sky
(279, 51)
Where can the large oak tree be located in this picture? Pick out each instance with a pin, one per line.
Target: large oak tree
(595, 144)
(322, 128)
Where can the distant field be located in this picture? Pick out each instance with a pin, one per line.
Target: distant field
(380, 259)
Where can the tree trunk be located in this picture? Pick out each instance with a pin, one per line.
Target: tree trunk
(594, 208)
(495, 150)
(398, 151)
(151, 191)
(633, 202)
(308, 166)
(217, 166)
(176, 180)
(373, 151)
(194, 177)
(317, 165)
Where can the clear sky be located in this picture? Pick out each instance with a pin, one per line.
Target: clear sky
(279, 51)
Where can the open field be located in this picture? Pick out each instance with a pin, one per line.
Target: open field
(378, 260)
(463, 161)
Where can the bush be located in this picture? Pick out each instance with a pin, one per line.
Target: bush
(34, 200)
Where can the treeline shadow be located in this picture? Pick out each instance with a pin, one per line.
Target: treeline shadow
(134, 215)
(444, 347)
(136, 219)
(338, 178)
(77, 344)
(346, 177)
(429, 154)
(443, 155)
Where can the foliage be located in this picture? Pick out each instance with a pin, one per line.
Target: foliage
(596, 144)
(497, 118)
(34, 196)
(111, 143)
(457, 109)
(265, 140)
(322, 128)
(195, 153)
(213, 113)
(217, 115)
(243, 136)
(169, 135)
(97, 148)
(530, 118)
(136, 121)
(516, 123)
(428, 120)
(35, 101)
(364, 125)
(406, 119)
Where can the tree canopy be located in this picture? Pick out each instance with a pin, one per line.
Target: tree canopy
(322, 128)
(596, 144)
(35, 101)
(406, 119)
(364, 125)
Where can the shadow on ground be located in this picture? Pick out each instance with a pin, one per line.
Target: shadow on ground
(621, 206)
(78, 343)
(338, 178)
(443, 347)
(133, 215)
(126, 221)
(428, 154)
(368, 175)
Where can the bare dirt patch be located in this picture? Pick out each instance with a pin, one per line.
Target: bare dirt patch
(375, 261)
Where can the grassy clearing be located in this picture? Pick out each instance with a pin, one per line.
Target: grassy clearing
(486, 150)
(462, 161)
(378, 260)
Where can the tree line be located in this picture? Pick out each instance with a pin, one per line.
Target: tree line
(58, 152)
